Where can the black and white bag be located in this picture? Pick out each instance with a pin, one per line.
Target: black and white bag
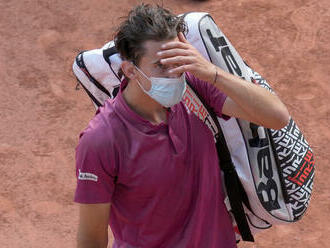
(274, 169)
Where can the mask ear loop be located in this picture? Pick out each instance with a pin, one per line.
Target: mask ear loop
(138, 81)
(142, 72)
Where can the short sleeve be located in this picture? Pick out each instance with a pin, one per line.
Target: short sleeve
(213, 97)
(95, 168)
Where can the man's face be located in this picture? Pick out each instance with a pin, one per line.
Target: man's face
(150, 64)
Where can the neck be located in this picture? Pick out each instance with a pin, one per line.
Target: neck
(143, 104)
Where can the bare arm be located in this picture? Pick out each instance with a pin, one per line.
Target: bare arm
(245, 100)
(250, 102)
(93, 225)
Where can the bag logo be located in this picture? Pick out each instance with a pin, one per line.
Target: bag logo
(194, 105)
(220, 44)
(304, 171)
(267, 192)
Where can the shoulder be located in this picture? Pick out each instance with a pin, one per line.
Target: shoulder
(101, 129)
(210, 95)
(204, 88)
(194, 81)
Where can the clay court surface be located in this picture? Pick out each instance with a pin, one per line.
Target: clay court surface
(286, 41)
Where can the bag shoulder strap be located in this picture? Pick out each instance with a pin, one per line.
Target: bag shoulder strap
(236, 193)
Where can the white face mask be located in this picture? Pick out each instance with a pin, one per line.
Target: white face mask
(166, 91)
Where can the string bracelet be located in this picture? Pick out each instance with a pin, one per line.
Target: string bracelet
(216, 76)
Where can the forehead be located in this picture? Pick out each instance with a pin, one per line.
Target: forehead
(151, 47)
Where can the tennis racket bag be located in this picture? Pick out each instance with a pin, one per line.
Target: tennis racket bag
(268, 173)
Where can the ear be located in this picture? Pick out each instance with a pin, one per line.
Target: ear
(128, 69)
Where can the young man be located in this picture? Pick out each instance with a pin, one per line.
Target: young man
(146, 165)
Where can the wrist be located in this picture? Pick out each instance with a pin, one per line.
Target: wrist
(215, 76)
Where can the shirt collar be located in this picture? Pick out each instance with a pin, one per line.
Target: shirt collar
(123, 110)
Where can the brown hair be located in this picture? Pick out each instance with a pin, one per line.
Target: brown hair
(146, 22)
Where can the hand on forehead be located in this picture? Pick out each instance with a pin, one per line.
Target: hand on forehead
(183, 57)
(176, 47)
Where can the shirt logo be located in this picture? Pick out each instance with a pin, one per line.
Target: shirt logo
(87, 176)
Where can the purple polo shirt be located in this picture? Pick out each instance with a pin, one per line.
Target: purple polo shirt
(163, 181)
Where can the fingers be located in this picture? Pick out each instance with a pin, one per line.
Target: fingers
(176, 48)
(181, 69)
(178, 60)
(175, 44)
(179, 54)
(182, 43)
(173, 52)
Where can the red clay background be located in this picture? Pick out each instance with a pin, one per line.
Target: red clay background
(42, 114)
